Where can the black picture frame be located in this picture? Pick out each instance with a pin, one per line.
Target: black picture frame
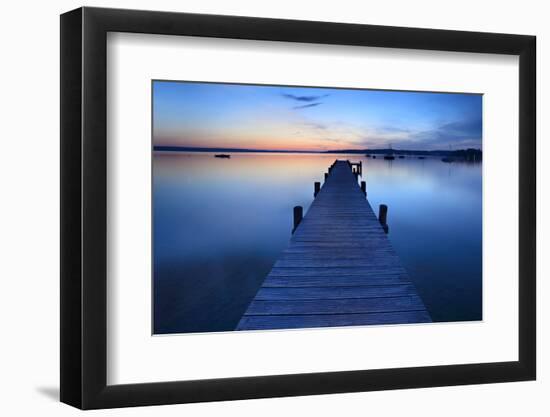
(84, 207)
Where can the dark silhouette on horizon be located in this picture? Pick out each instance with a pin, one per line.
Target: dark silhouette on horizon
(470, 154)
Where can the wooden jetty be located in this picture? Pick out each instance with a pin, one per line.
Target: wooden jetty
(339, 268)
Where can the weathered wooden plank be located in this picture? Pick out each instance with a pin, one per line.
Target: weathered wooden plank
(329, 263)
(330, 245)
(336, 292)
(338, 281)
(369, 254)
(321, 258)
(338, 306)
(364, 271)
(335, 320)
(338, 270)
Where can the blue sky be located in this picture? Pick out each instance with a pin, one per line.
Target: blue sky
(316, 119)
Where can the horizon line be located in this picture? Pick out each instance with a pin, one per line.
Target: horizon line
(177, 148)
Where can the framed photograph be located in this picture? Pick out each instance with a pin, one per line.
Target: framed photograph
(257, 208)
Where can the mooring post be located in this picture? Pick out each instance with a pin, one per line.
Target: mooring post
(361, 168)
(364, 187)
(383, 216)
(316, 188)
(326, 176)
(356, 174)
(298, 212)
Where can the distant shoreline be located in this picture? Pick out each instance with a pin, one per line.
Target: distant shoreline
(233, 150)
(458, 152)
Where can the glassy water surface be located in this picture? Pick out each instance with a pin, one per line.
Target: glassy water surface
(220, 224)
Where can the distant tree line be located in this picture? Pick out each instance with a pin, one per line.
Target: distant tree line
(470, 154)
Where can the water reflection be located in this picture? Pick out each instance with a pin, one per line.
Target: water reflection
(219, 225)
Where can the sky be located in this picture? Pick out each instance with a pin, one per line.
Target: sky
(216, 115)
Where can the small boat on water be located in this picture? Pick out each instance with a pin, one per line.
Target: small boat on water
(390, 156)
(222, 155)
(368, 155)
(374, 156)
(401, 157)
(421, 157)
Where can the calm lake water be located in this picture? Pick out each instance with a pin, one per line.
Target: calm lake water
(220, 224)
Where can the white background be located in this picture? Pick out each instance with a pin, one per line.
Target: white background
(134, 356)
(29, 220)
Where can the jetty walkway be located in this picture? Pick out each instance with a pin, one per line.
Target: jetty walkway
(339, 268)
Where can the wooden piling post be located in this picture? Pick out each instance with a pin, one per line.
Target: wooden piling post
(316, 188)
(298, 213)
(383, 216)
(326, 176)
(364, 187)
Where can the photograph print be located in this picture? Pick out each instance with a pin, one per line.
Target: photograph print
(296, 207)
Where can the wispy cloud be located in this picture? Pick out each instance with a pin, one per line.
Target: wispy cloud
(311, 101)
(453, 132)
(307, 99)
(314, 125)
(458, 134)
(306, 106)
(392, 130)
(462, 129)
